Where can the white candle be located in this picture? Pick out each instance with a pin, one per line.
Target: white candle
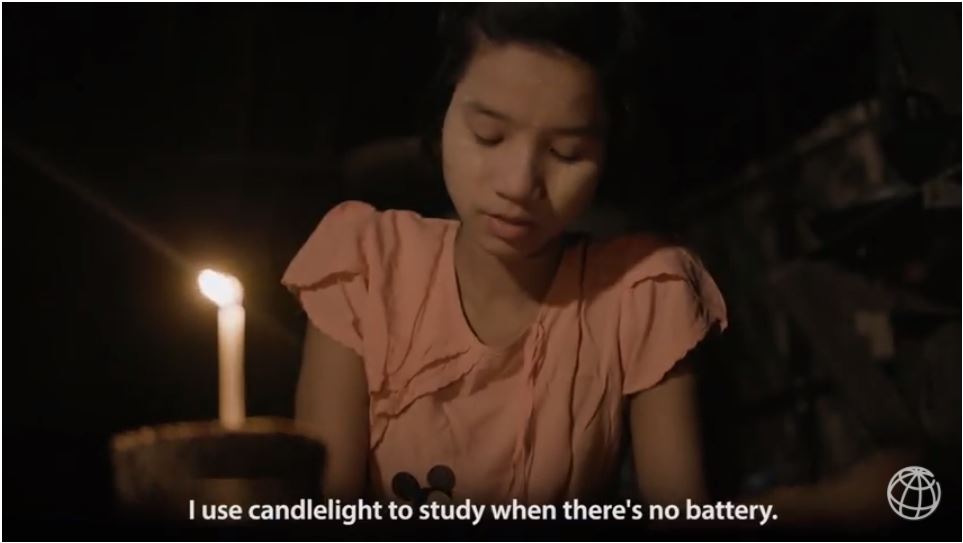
(227, 293)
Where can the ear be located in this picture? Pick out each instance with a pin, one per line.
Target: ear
(406, 487)
(441, 478)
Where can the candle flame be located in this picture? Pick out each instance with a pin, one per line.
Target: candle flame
(222, 289)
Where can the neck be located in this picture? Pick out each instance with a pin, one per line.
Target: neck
(484, 276)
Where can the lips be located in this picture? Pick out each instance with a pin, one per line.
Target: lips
(519, 221)
(508, 228)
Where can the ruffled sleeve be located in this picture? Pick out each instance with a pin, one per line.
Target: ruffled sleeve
(669, 303)
(328, 275)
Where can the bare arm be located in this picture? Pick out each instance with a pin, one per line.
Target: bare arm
(332, 401)
(666, 444)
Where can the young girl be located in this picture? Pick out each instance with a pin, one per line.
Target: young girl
(494, 357)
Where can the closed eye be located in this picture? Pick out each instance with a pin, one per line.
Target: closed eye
(565, 157)
(487, 141)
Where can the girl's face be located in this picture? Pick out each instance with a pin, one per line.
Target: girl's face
(522, 146)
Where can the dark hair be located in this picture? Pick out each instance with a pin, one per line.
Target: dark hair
(605, 36)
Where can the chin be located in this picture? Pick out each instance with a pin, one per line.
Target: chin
(505, 250)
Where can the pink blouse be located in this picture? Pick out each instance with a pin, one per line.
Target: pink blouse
(539, 421)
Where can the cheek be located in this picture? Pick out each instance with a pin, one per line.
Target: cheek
(461, 163)
(571, 189)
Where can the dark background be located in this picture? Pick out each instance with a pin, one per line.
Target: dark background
(142, 142)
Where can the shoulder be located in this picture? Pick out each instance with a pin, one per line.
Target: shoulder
(358, 218)
(356, 237)
(621, 263)
(643, 281)
(380, 233)
(658, 299)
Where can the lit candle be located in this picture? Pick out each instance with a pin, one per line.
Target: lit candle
(227, 293)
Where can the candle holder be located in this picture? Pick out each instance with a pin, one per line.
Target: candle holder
(158, 470)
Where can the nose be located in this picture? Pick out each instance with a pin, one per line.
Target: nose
(519, 180)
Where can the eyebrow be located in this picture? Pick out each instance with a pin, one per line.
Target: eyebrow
(579, 130)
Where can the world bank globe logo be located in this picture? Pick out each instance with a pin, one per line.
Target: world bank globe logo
(913, 493)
